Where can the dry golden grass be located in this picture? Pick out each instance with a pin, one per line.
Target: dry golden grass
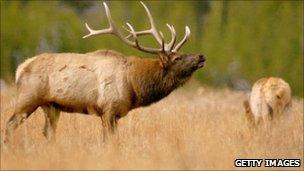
(199, 128)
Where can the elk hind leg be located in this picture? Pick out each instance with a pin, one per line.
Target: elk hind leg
(51, 118)
(249, 114)
(12, 124)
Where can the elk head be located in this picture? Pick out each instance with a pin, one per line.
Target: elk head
(170, 59)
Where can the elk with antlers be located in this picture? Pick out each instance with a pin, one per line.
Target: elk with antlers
(105, 83)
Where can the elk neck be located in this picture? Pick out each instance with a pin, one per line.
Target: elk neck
(151, 82)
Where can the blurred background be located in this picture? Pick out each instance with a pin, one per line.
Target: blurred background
(243, 40)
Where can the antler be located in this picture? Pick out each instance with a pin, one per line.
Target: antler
(112, 29)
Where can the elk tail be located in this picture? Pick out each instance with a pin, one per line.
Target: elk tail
(22, 68)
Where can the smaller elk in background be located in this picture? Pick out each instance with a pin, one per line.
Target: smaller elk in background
(268, 99)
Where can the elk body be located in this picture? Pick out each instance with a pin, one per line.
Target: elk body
(268, 99)
(104, 83)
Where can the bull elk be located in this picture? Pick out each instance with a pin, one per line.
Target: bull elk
(268, 99)
(104, 82)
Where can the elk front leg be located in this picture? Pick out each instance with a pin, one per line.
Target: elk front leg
(109, 123)
(51, 118)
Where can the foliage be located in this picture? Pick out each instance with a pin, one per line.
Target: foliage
(259, 39)
(242, 40)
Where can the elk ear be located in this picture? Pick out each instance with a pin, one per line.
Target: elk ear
(176, 58)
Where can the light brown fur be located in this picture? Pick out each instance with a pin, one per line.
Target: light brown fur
(269, 99)
(104, 83)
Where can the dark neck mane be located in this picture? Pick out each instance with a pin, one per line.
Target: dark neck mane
(150, 82)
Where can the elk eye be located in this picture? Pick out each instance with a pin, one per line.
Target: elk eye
(177, 58)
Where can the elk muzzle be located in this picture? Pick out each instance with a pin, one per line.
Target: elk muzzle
(201, 61)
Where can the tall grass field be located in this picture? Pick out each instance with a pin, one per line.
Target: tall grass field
(193, 128)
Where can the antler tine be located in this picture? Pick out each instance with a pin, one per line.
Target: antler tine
(111, 29)
(153, 29)
(95, 32)
(186, 37)
(162, 41)
(109, 17)
(145, 49)
(132, 33)
(170, 46)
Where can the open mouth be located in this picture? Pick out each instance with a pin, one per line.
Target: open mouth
(201, 61)
(201, 64)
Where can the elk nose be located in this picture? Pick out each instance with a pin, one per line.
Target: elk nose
(202, 58)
